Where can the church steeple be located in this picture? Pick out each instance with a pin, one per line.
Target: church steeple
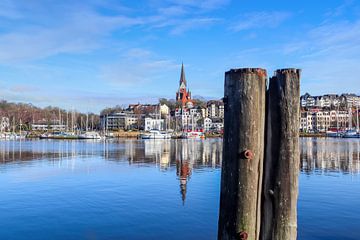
(182, 77)
(183, 95)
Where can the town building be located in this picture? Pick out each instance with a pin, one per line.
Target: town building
(215, 109)
(4, 124)
(154, 124)
(207, 123)
(120, 121)
(188, 119)
(323, 120)
(330, 101)
(164, 109)
(45, 125)
(146, 109)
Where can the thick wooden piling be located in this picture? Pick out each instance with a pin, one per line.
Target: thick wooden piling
(281, 168)
(243, 153)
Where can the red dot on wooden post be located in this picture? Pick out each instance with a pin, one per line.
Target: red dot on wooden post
(248, 154)
(243, 236)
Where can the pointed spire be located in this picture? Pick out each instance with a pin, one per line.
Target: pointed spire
(182, 76)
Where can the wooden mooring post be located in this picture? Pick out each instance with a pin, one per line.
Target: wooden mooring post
(282, 161)
(259, 191)
(243, 153)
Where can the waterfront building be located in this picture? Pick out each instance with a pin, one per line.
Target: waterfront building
(188, 118)
(5, 124)
(204, 111)
(317, 120)
(120, 121)
(349, 100)
(154, 124)
(217, 124)
(146, 109)
(207, 123)
(215, 109)
(53, 125)
(330, 101)
(164, 109)
(307, 100)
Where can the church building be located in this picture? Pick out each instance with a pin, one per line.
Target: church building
(183, 95)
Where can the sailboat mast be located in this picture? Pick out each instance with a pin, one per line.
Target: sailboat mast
(357, 118)
(20, 126)
(337, 119)
(72, 120)
(106, 120)
(67, 121)
(92, 122)
(87, 122)
(59, 118)
(192, 122)
(350, 119)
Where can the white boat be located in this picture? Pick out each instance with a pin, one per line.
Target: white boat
(58, 135)
(155, 134)
(351, 134)
(193, 135)
(336, 134)
(90, 135)
(11, 136)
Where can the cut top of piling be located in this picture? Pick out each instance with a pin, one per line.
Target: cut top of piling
(257, 71)
(288, 71)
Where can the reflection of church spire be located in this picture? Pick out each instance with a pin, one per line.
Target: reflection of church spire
(183, 171)
(183, 186)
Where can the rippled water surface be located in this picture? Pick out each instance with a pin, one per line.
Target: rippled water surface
(133, 189)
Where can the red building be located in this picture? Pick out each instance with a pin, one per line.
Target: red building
(183, 95)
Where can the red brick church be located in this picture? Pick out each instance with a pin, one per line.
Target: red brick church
(183, 95)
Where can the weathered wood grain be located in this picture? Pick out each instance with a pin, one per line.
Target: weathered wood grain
(241, 177)
(281, 166)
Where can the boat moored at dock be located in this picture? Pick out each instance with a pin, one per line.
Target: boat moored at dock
(59, 135)
(193, 135)
(155, 134)
(90, 135)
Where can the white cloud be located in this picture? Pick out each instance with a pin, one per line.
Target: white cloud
(256, 20)
(329, 55)
(80, 28)
(185, 25)
(204, 5)
(134, 68)
(84, 31)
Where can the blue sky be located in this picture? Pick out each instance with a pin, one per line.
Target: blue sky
(92, 54)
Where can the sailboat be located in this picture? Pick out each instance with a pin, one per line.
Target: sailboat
(351, 133)
(156, 132)
(193, 134)
(335, 133)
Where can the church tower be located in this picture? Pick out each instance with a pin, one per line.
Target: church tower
(183, 95)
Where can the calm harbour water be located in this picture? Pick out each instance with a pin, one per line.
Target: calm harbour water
(133, 189)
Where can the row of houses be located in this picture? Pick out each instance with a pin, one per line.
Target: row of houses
(159, 116)
(330, 101)
(318, 120)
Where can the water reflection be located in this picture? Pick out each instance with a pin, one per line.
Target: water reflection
(185, 156)
(319, 155)
(132, 189)
(324, 155)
